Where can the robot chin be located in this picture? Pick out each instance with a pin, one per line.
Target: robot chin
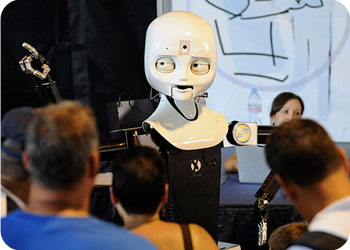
(182, 94)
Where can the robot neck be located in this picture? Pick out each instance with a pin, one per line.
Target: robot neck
(188, 109)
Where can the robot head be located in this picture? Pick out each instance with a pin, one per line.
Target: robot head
(180, 55)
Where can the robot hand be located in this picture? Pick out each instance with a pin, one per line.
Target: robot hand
(26, 63)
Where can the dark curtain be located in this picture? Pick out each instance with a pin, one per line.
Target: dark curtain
(95, 49)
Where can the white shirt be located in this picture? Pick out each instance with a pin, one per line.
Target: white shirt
(333, 219)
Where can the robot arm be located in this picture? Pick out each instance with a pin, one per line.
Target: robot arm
(46, 86)
(249, 133)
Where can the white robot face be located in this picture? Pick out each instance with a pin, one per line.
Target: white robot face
(180, 55)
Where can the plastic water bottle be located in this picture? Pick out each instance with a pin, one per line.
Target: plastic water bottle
(254, 106)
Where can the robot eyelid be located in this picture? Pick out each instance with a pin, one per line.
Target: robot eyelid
(196, 58)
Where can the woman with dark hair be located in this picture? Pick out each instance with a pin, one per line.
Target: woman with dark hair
(285, 107)
(140, 190)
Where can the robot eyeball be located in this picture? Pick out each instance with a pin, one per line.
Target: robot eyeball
(165, 65)
(200, 67)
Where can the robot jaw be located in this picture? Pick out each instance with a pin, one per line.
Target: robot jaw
(182, 92)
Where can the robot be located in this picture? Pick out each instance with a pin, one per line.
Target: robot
(180, 63)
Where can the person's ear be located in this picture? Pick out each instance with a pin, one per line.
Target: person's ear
(26, 161)
(166, 194)
(272, 119)
(287, 187)
(114, 199)
(344, 159)
(94, 164)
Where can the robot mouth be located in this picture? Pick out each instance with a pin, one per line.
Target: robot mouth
(183, 87)
(182, 92)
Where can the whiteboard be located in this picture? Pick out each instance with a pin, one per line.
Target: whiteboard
(300, 46)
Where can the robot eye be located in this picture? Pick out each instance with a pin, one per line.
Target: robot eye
(200, 67)
(165, 65)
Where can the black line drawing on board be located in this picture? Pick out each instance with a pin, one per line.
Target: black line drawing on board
(282, 55)
(238, 9)
(243, 53)
(282, 7)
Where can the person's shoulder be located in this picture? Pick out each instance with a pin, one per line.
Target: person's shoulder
(195, 228)
(119, 236)
(16, 227)
(16, 215)
(201, 239)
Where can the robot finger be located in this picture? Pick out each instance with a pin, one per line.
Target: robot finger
(31, 49)
(22, 65)
(42, 75)
(28, 65)
(39, 74)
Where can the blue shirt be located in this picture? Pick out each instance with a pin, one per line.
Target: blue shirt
(22, 230)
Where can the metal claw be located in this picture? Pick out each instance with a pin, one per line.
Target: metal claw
(31, 49)
(26, 63)
(42, 75)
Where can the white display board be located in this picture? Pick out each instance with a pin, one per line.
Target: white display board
(300, 46)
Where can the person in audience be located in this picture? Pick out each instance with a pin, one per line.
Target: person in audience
(15, 181)
(62, 157)
(139, 191)
(286, 235)
(285, 107)
(313, 173)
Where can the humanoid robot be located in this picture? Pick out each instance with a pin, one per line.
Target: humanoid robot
(180, 63)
